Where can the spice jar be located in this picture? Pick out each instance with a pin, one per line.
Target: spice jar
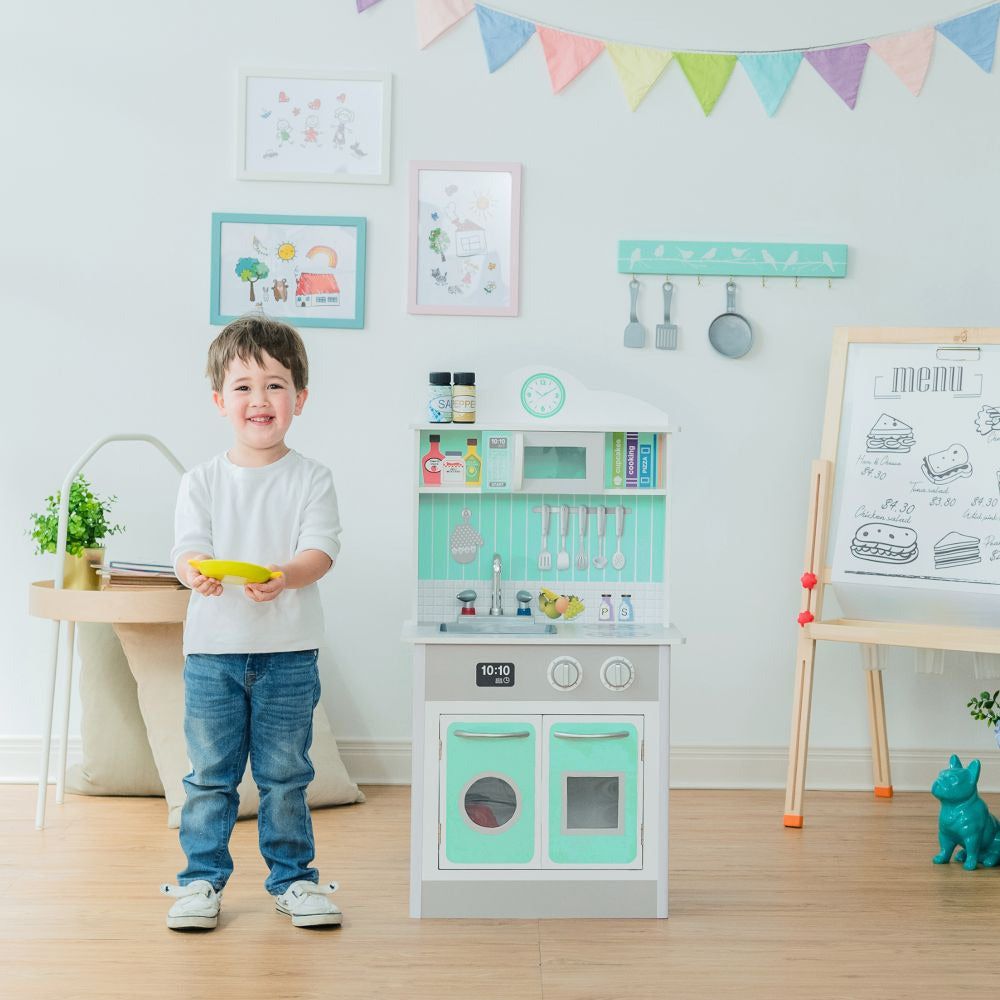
(439, 398)
(463, 398)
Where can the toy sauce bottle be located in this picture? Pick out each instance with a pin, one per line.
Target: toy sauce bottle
(432, 461)
(473, 464)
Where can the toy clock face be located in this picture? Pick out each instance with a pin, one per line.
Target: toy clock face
(543, 395)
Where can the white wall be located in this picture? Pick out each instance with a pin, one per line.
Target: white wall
(120, 142)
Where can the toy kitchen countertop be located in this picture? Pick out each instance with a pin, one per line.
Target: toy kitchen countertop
(566, 633)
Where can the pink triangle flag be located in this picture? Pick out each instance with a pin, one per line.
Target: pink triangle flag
(841, 68)
(567, 55)
(907, 55)
(435, 17)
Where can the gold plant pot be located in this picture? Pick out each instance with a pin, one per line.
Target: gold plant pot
(80, 571)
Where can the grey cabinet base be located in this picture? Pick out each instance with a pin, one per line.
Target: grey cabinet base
(536, 899)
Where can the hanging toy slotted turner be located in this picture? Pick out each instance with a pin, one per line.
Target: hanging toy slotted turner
(666, 332)
(635, 333)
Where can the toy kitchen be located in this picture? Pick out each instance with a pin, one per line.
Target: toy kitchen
(541, 656)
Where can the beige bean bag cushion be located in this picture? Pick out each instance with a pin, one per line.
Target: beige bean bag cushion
(153, 654)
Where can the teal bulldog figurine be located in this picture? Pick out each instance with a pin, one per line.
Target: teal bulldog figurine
(964, 818)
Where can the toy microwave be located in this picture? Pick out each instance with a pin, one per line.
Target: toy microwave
(561, 462)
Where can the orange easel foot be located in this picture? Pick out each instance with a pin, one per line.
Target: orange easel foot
(883, 791)
(793, 821)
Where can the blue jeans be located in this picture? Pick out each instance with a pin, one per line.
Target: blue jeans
(258, 705)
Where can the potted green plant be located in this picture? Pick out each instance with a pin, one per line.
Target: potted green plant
(87, 526)
(986, 708)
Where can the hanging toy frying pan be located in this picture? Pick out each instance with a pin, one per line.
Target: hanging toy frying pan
(730, 333)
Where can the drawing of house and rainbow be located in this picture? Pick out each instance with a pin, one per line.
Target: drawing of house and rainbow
(317, 284)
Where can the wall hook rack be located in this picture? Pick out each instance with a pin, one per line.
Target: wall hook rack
(726, 258)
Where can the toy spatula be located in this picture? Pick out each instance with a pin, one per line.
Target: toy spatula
(635, 332)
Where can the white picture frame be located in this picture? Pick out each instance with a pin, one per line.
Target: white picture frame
(296, 125)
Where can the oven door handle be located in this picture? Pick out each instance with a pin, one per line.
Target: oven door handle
(591, 736)
(490, 736)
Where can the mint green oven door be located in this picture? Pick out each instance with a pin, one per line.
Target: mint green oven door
(489, 781)
(594, 791)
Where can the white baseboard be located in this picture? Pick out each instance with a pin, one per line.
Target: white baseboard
(387, 762)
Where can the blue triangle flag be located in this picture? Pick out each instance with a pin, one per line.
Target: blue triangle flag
(975, 34)
(771, 73)
(503, 35)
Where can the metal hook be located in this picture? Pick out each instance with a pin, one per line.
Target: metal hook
(829, 283)
(796, 281)
(699, 280)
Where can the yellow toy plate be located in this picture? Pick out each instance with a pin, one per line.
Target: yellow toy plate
(227, 571)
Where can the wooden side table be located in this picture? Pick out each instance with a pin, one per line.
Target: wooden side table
(141, 607)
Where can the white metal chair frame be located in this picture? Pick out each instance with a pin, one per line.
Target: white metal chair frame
(43, 775)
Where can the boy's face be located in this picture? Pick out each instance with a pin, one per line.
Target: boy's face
(259, 401)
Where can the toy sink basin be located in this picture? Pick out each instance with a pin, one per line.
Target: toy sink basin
(497, 625)
(228, 571)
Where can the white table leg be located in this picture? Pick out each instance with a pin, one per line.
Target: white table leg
(67, 695)
(43, 776)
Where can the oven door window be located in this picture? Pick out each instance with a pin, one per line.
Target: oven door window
(592, 803)
(491, 803)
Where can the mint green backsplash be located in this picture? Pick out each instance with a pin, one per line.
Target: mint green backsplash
(509, 525)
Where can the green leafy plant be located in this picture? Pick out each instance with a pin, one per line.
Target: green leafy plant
(87, 525)
(985, 708)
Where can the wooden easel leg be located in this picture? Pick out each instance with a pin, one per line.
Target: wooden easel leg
(876, 722)
(799, 744)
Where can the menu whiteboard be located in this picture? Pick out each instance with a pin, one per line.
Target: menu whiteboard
(917, 488)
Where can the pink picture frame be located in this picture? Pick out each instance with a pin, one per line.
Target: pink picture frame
(465, 225)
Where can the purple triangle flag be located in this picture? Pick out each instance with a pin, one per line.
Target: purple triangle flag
(365, 4)
(975, 34)
(841, 68)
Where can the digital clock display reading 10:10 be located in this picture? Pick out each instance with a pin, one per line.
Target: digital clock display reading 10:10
(494, 675)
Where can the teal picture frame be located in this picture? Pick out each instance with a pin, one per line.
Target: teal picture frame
(286, 309)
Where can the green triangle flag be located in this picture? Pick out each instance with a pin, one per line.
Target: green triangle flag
(638, 69)
(708, 75)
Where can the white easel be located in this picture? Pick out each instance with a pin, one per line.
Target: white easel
(869, 634)
(43, 774)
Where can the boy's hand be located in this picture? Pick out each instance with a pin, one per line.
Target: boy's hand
(261, 592)
(204, 585)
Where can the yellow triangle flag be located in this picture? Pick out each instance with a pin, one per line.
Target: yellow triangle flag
(638, 69)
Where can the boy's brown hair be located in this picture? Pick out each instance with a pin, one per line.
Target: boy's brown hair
(251, 337)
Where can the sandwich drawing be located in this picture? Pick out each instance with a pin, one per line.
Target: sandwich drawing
(885, 543)
(947, 465)
(890, 434)
(956, 549)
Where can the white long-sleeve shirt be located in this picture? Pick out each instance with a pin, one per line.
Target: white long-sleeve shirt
(265, 515)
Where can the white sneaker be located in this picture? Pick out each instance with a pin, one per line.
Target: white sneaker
(198, 905)
(307, 905)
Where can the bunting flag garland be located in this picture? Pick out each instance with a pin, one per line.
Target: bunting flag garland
(708, 75)
(841, 68)
(638, 69)
(975, 34)
(567, 56)
(771, 73)
(503, 35)
(907, 55)
(365, 4)
(435, 17)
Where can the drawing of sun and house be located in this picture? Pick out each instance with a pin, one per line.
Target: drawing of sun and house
(317, 286)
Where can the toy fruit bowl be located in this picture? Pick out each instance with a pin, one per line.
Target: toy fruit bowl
(228, 571)
(555, 605)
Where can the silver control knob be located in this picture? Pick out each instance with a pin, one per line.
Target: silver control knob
(565, 673)
(617, 673)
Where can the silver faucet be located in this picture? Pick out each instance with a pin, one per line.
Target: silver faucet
(496, 600)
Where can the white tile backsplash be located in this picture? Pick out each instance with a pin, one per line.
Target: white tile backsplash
(436, 600)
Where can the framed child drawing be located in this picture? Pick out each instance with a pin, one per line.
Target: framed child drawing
(308, 270)
(297, 126)
(464, 230)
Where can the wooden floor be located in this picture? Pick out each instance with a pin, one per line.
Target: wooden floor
(849, 907)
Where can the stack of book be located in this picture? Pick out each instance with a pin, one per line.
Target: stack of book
(634, 460)
(138, 576)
